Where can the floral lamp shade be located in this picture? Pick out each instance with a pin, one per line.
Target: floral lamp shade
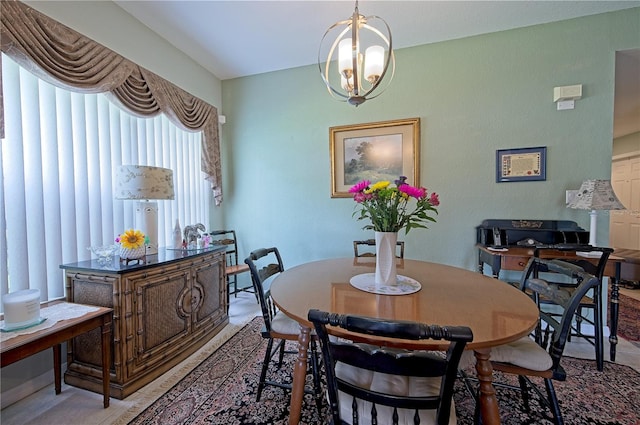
(144, 182)
(596, 195)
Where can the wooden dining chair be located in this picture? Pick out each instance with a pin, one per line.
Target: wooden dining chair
(265, 264)
(539, 356)
(228, 239)
(591, 309)
(368, 384)
(369, 247)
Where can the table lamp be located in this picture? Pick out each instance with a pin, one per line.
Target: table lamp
(595, 195)
(145, 183)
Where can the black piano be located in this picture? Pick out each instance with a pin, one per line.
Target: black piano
(509, 244)
(500, 233)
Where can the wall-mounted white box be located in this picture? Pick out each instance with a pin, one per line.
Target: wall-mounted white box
(567, 92)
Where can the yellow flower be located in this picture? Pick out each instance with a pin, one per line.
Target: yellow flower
(132, 239)
(388, 208)
(377, 186)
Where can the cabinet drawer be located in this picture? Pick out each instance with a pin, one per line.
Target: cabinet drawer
(514, 263)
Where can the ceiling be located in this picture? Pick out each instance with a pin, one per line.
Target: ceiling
(240, 38)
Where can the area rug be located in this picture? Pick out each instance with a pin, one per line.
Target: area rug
(221, 390)
(629, 318)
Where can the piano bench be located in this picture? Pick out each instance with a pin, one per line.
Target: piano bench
(630, 267)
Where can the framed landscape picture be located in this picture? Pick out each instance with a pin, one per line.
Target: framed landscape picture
(374, 151)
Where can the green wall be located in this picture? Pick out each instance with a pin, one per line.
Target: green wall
(473, 96)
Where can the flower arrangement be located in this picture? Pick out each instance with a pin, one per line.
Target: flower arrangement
(132, 239)
(132, 244)
(387, 206)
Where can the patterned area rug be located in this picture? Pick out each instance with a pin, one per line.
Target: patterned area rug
(221, 390)
(629, 319)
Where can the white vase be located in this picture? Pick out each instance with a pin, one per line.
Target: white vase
(132, 254)
(177, 235)
(386, 273)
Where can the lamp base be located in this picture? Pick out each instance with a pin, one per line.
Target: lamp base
(593, 227)
(147, 222)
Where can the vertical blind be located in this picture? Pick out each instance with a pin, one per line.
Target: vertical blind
(57, 182)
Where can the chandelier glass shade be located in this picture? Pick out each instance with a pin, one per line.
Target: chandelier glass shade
(355, 57)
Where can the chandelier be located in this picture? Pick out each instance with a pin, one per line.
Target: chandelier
(360, 74)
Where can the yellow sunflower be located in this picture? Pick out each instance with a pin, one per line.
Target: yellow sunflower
(132, 239)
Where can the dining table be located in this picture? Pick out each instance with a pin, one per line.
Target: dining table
(442, 295)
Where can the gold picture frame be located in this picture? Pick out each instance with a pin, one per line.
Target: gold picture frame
(374, 151)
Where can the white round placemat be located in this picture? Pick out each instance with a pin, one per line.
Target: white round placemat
(366, 282)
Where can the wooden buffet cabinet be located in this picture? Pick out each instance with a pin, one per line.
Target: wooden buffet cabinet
(163, 311)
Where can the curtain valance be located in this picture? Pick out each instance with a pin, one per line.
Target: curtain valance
(65, 58)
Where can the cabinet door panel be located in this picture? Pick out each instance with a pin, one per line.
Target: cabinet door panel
(160, 318)
(85, 350)
(206, 278)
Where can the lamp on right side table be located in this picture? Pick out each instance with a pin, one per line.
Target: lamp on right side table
(595, 195)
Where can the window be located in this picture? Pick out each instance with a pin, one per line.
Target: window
(56, 187)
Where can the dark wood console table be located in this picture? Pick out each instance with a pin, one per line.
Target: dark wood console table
(25, 345)
(164, 309)
(515, 258)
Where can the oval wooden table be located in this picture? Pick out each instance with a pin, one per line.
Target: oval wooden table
(496, 312)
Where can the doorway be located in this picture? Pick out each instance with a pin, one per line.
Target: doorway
(624, 226)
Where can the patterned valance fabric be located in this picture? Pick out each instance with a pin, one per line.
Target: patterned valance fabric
(65, 58)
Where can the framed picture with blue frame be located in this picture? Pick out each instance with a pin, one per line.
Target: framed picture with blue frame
(522, 164)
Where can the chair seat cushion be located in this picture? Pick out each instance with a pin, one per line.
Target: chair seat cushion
(523, 352)
(388, 384)
(283, 324)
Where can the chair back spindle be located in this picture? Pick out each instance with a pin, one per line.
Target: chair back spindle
(228, 239)
(265, 264)
(548, 282)
(590, 309)
(354, 370)
(367, 248)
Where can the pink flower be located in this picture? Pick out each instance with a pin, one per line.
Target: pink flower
(389, 207)
(359, 187)
(416, 192)
(361, 197)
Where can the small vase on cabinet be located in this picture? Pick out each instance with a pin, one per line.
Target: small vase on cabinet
(132, 254)
(386, 273)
